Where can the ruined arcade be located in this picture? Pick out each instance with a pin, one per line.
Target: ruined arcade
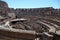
(29, 24)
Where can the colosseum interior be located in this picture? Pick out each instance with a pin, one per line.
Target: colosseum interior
(29, 24)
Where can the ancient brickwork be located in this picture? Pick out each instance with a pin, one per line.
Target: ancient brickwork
(19, 12)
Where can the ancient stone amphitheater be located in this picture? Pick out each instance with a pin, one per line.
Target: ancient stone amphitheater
(29, 24)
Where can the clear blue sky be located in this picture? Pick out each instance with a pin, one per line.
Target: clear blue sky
(33, 3)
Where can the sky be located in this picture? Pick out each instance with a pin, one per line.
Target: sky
(33, 3)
